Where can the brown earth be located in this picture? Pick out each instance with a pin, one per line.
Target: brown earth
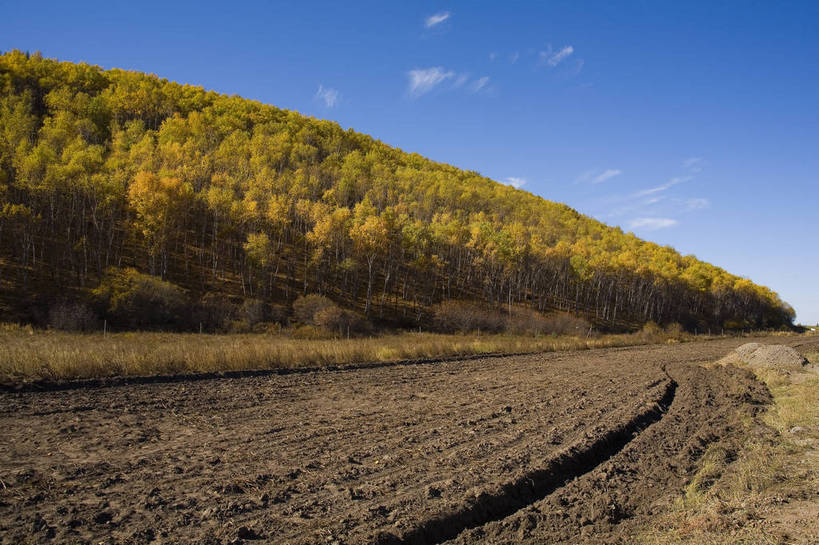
(561, 447)
(774, 356)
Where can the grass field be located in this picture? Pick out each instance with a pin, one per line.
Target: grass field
(29, 354)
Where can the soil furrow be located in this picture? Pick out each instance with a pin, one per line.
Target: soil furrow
(534, 485)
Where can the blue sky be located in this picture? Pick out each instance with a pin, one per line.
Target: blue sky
(694, 124)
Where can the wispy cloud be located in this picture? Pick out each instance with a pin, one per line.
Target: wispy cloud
(424, 80)
(606, 175)
(479, 84)
(697, 204)
(553, 58)
(652, 224)
(597, 176)
(436, 19)
(578, 66)
(585, 176)
(327, 95)
(512, 57)
(516, 182)
(655, 207)
(669, 184)
(639, 206)
(694, 164)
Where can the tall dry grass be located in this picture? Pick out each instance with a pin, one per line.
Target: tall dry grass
(28, 354)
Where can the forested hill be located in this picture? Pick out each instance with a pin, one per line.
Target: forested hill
(103, 169)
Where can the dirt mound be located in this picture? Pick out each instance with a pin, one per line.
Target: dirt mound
(774, 356)
(746, 350)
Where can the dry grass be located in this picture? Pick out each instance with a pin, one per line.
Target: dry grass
(27, 354)
(765, 493)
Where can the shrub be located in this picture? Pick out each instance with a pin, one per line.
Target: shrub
(139, 301)
(72, 317)
(238, 326)
(319, 311)
(464, 317)
(563, 323)
(526, 321)
(306, 307)
(342, 322)
(254, 311)
(736, 325)
(214, 312)
(271, 328)
(277, 314)
(650, 331)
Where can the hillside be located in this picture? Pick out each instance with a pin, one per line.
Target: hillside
(224, 196)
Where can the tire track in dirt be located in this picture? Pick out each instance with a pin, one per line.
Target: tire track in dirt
(609, 503)
(535, 485)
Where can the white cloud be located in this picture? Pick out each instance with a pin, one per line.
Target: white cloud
(436, 19)
(460, 80)
(634, 207)
(553, 58)
(597, 176)
(585, 176)
(422, 81)
(513, 58)
(327, 95)
(516, 182)
(493, 56)
(578, 66)
(479, 84)
(652, 224)
(697, 204)
(607, 175)
(694, 164)
(671, 183)
(692, 161)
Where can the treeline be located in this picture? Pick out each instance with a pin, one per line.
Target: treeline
(219, 194)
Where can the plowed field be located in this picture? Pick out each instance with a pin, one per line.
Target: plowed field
(523, 449)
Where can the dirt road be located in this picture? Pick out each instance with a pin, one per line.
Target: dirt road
(535, 449)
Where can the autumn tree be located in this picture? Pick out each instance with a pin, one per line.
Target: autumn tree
(160, 204)
(238, 199)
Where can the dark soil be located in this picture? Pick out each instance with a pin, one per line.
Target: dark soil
(552, 448)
